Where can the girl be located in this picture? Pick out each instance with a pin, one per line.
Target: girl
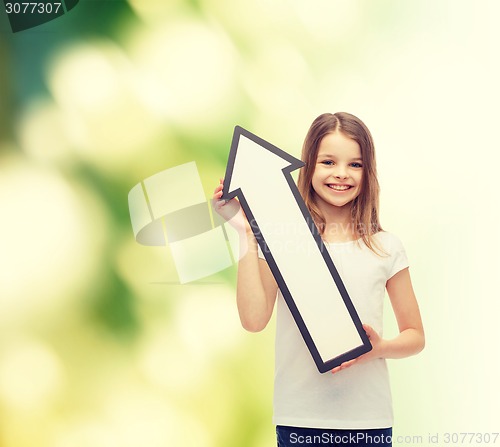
(352, 404)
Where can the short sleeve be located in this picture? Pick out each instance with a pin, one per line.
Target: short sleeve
(398, 258)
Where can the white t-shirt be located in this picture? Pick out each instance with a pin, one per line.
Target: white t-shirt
(358, 397)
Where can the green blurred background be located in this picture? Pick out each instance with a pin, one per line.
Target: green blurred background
(99, 344)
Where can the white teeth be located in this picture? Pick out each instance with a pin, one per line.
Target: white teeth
(339, 187)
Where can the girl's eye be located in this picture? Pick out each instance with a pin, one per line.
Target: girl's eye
(331, 163)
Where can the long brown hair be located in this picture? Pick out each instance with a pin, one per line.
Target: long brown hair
(364, 208)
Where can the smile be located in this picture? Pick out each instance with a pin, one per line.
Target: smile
(339, 187)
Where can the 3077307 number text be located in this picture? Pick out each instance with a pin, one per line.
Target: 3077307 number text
(32, 7)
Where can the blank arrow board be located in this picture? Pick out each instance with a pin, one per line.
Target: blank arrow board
(259, 174)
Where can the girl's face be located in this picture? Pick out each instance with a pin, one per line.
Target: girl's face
(339, 171)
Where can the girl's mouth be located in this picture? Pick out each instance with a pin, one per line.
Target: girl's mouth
(339, 187)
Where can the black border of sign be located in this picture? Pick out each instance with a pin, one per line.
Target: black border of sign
(323, 366)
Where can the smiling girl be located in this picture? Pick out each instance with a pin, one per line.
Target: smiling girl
(352, 404)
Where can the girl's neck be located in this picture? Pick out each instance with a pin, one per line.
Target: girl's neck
(338, 224)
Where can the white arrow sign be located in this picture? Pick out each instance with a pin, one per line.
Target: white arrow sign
(258, 173)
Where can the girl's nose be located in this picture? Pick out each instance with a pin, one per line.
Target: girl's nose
(340, 173)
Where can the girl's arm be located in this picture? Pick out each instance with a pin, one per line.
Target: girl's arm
(411, 338)
(256, 288)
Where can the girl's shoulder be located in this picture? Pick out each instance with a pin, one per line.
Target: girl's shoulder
(388, 242)
(387, 237)
(395, 257)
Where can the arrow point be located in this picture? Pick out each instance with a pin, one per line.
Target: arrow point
(251, 157)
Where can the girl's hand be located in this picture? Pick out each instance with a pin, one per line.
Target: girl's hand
(231, 210)
(377, 350)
